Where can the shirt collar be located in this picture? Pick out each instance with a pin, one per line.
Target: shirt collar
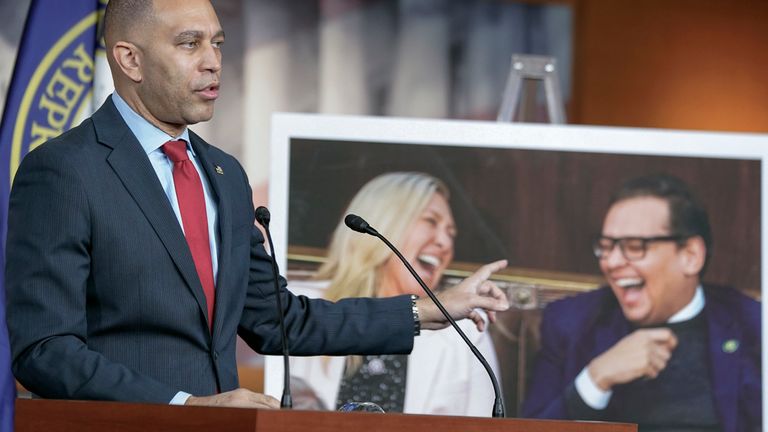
(691, 309)
(150, 137)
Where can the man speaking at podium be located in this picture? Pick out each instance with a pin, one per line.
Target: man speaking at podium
(133, 260)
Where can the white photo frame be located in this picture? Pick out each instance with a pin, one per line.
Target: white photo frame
(450, 135)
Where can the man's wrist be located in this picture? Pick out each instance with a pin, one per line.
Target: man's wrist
(590, 392)
(430, 317)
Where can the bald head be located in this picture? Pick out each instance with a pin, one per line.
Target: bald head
(165, 57)
(123, 18)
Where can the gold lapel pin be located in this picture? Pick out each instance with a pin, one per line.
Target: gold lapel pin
(219, 170)
(730, 346)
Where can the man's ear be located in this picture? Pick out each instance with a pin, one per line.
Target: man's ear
(127, 56)
(693, 255)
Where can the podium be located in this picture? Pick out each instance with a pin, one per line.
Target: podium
(86, 416)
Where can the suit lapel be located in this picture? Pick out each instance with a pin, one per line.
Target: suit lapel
(215, 179)
(607, 327)
(611, 328)
(132, 166)
(609, 335)
(724, 357)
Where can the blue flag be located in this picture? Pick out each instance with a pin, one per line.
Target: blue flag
(51, 91)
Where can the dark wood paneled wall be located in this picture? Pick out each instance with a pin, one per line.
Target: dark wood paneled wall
(539, 209)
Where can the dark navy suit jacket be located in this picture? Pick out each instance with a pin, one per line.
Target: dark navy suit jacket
(103, 298)
(577, 329)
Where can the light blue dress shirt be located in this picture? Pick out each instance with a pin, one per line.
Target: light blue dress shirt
(152, 139)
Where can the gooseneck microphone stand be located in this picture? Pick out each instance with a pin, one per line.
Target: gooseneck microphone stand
(359, 224)
(263, 217)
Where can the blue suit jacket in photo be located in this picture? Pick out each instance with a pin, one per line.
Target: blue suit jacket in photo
(577, 329)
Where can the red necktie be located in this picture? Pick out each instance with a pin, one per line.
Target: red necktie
(189, 192)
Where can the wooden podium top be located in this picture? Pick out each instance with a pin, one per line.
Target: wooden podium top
(85, 416)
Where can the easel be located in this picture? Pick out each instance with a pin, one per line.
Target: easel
(531, 70)
(528, 70)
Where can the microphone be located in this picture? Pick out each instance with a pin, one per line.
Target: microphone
(356, 223)
(263, 218)
(360, 225)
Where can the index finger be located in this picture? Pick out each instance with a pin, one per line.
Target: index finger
(487, 270)
(672, 342)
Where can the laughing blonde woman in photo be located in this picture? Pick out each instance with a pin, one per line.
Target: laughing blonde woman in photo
(440, 376)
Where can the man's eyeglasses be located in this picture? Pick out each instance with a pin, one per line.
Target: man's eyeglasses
(633, 248)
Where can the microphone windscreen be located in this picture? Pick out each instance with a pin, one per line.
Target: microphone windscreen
(262, 216)
(356, 223)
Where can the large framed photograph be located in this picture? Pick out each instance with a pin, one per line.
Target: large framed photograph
(535, 195)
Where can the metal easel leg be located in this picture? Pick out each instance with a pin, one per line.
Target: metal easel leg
(538, 69)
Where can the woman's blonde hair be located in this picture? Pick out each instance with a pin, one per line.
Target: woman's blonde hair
(390, 202)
